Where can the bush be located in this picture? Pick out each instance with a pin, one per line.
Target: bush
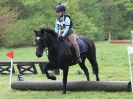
(22, 31)
(6, 19)
(39, 14)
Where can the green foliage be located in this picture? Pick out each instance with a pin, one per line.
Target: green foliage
(6, 19)
(37, 14)
(22, 31)
(84, 28)
(118, 17)
(93, 18)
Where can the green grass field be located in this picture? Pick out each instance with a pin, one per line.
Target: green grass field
(113, 65)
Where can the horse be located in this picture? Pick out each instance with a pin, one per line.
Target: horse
(59, 56)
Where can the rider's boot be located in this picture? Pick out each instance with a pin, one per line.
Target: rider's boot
(76, 47)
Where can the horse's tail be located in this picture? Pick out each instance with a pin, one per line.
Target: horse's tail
(91, 54)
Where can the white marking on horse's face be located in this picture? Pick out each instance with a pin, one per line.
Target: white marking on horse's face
(38, 38)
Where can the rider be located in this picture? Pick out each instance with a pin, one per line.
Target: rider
(64, 28)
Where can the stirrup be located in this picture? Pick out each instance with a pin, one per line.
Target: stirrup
(79, 60)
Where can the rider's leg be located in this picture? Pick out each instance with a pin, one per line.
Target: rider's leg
(72, 37)
(79, 60)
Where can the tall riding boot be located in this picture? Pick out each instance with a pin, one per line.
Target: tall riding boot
(76, 47)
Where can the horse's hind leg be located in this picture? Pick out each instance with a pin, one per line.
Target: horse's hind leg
(84, 68)
(94, 64)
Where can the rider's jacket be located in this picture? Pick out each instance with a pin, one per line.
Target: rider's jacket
(63, 25)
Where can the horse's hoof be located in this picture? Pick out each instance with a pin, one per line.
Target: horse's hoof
(52, 77)
(98, 79)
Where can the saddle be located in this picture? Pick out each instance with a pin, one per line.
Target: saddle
(82, 46)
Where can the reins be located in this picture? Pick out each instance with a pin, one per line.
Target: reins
(46, 52)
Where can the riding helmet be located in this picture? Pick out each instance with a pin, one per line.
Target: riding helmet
(60, 8)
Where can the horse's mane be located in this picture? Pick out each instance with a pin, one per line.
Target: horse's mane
(50, 31)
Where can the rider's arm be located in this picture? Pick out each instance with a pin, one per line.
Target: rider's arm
(67, 24)
(56, 27)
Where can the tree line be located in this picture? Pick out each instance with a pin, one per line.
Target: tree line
(92, 18)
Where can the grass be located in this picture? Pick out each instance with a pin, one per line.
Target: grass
(113, 65)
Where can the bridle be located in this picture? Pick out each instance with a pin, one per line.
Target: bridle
(45, 44)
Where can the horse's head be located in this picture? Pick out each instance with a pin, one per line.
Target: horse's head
(41, 42)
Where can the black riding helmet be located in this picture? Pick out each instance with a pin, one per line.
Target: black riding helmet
(60, 8)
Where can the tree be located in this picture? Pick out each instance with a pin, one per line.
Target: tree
(6, 19)
(118, 17)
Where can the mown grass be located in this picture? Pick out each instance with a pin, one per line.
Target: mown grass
(113, 65)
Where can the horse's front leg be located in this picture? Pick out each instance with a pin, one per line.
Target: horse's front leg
(65, 73)
(46, 67)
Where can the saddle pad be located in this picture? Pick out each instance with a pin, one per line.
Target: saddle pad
(82, 46)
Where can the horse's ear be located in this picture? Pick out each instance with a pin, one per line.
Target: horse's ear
(42, 30)
(35, 31)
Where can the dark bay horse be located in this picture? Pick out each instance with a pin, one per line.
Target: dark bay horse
(59, 57)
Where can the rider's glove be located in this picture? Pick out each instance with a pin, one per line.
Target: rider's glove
(61, 38)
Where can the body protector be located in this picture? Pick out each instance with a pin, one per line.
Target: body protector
(62, 23)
